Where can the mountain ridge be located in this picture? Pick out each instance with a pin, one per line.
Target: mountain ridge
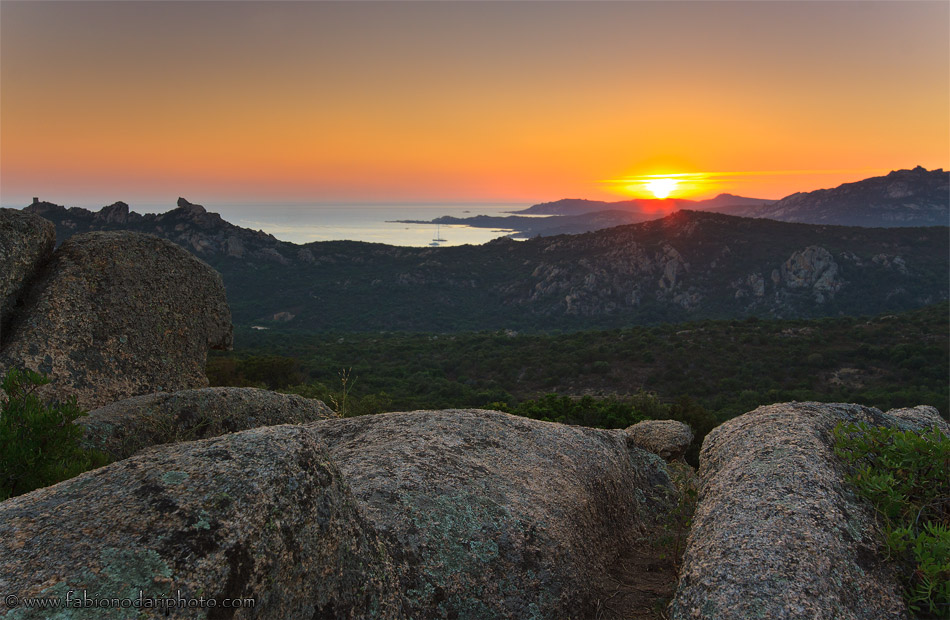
(645, 206)
(688, 265)
(917, 197)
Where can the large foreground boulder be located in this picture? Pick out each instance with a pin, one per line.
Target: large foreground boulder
(26, 242)
(123, 428)
(496, 516)
(778, 532)
(118, 314)
(262, 514)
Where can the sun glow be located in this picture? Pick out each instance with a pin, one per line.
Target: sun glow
(662, 185)
(662, 188)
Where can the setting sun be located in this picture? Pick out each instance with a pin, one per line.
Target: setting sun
(661, 188)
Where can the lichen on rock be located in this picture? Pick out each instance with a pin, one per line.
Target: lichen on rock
(26, 243)
(263, 514)
(497, 516)
(778, 532)
(118, 314)
(123, 428)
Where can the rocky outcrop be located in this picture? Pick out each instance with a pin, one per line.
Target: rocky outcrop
(668, 439)
(190, 225)
(125, 427)
(26, 243)
(118, 314)
(116, 213)
(497, 516)
(778, 533)
(812, 268)
(261, 515)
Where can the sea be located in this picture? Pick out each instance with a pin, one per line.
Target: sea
(374, 223)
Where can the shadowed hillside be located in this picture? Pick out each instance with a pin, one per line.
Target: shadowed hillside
(917, 197)
(688, 265)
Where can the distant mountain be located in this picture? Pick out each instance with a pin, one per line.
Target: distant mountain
(574, 215)
(688, 265)
(526, 227)
(649, 208)
(917, 197)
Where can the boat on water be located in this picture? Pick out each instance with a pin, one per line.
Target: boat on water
(438, 236)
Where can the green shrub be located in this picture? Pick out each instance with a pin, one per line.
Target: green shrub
(905, 476)
(588, 411)
(39, 444)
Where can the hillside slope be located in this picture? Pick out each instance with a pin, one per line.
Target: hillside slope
(688, 265)
(917, 197)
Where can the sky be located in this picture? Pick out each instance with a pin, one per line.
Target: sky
(507, 102)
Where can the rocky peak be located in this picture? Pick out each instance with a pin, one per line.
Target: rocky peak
(197, 215)
(190, 208)
(917, 171)
(43, 208)
(116, 213)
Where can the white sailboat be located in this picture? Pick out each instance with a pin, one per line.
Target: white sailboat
(438, 236)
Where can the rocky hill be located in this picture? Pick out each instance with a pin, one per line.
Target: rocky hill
(688, 265)
(917, 197)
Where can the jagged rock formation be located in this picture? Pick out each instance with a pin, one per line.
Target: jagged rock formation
(668, 439)
(189, 225)
(496, 516)
(263, 514)
(123, 428)
(778, 533)
(917, 197)
(26, 243)
(119, 314)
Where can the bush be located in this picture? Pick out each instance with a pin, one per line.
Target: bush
(905, 476)
(588, 411)
(39, 444)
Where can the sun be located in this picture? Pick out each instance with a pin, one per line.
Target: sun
(662, 188)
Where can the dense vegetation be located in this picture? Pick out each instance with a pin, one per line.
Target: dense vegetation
(39, 444)
(703, 372)
(905, 477)
(614, 278)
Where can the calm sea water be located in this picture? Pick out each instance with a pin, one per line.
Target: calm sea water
(375, 223)
(303, 223)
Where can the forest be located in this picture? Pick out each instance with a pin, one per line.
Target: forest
(702, 373)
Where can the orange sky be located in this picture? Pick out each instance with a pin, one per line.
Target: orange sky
(473, 101)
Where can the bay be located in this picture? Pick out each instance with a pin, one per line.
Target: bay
(373, 223)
